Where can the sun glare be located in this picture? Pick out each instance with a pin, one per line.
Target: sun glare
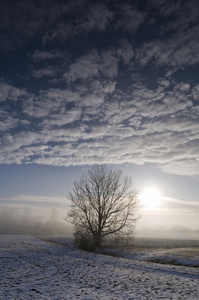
(150, 198)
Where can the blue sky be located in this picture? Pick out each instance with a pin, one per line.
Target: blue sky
(89, 82)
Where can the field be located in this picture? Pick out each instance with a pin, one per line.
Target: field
(31, 268)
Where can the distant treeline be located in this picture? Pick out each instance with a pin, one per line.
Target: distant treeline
(12, 222)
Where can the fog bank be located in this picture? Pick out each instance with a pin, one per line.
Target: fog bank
(12, 222)
(175, 232)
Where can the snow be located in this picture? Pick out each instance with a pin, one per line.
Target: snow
(31, 268)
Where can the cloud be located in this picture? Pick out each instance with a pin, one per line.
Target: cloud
(179, 48)
(93, 65)
(130, 18)
(40, 55)
(58, 119)
(173, 205)
(22, 21)
(195, 92)
(32, 200)
(97, 122)
(177, 16)
(45, 72)
(98, 17)
(48, 65)
(95, 18)
(66, 106)
(126, 51)
(9, 92)
(161, 8)
(83, 68)
(42, 105)
(186, 167)
(6, 121)
(95, 93)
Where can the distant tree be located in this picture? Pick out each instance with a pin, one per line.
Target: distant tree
(102, 204)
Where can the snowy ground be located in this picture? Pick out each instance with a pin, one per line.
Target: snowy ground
(34, 269)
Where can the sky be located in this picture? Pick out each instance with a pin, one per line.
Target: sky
(100, 82)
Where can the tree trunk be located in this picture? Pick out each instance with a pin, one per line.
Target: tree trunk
(98, 240)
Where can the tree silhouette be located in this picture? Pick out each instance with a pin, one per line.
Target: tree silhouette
(102, 204)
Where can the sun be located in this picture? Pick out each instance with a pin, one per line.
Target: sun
(150, 198)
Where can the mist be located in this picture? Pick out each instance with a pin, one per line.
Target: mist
(28, 222)
(175, 232)
(24, 223)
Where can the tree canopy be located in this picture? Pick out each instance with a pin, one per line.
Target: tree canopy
(103, 203)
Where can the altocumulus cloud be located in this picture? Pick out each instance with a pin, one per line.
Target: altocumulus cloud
(107, 82)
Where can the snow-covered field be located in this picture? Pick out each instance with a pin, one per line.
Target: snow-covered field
(31, 268)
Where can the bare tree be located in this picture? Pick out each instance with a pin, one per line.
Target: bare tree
(103, 203)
